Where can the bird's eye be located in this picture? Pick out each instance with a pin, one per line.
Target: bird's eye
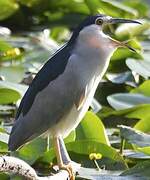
(99, 21)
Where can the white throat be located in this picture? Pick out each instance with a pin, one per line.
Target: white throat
(96, 35)
(95, 48)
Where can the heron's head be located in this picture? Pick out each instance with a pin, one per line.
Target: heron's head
(99, 22)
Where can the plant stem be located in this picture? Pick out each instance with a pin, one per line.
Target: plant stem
(122, 144)
(97, 166)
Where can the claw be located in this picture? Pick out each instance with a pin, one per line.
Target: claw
(70, 170)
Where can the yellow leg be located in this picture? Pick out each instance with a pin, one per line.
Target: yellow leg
(64, 154)
(61, 165)
(57, 151)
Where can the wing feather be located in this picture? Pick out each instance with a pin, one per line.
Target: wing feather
(54, 67)
(31, 124)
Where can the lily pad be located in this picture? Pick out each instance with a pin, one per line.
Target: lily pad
(141, 67)
(85, 129)
(14, 86)
(134, 136)
(138, 112)
(3, 147)
(134, 154)
(17, 71)
(144, 88)
(32, 151)
(141, 171)
(120, 78)
(145, 150)
(8, 95)
(127, 100)
(86, 147)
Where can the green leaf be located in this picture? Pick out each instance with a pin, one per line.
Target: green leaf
(8, 96)
(145, 150)
(139, 112)
(134, 137)
(69, 6)
(30, 3)
(94, 6)
(7, 108)
(142, 113)
(32, 151)
(2, 130)
(71, 137)
(144, 88)
(120, 78)
(8, 7)
(112, 8)
(4, 137)
(4, 46)
(3, 147)
(126, 31)
(48, 156)
(4, 176)
(117, 63)
(86, 147)
(115, 8)
(91, 128)
(123, 53)
(132, 154)
(14, 86)
(94, 174)
(17, 71)
(141, 67)
(140, 171)
(11, 92)
(59, 34)
(141, 7)
(127, 100)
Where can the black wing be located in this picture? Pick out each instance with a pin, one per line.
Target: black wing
(54, 67)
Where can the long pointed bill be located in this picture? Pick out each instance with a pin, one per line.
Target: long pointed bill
(119, 20)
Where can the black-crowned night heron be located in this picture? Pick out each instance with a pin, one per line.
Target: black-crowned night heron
(62, 91)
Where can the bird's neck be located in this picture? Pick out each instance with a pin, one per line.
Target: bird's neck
(95, 48)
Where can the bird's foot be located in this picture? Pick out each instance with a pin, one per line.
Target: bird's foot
(70, 169)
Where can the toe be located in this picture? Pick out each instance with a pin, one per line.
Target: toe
(70, 170)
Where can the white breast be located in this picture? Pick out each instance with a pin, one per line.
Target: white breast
(71, 121)
(89, 62)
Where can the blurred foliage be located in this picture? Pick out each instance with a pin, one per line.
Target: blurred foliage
(31, 31)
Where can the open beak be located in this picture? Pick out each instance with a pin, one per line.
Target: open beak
(120, 20)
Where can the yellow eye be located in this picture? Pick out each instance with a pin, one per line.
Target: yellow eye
(99, 21)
